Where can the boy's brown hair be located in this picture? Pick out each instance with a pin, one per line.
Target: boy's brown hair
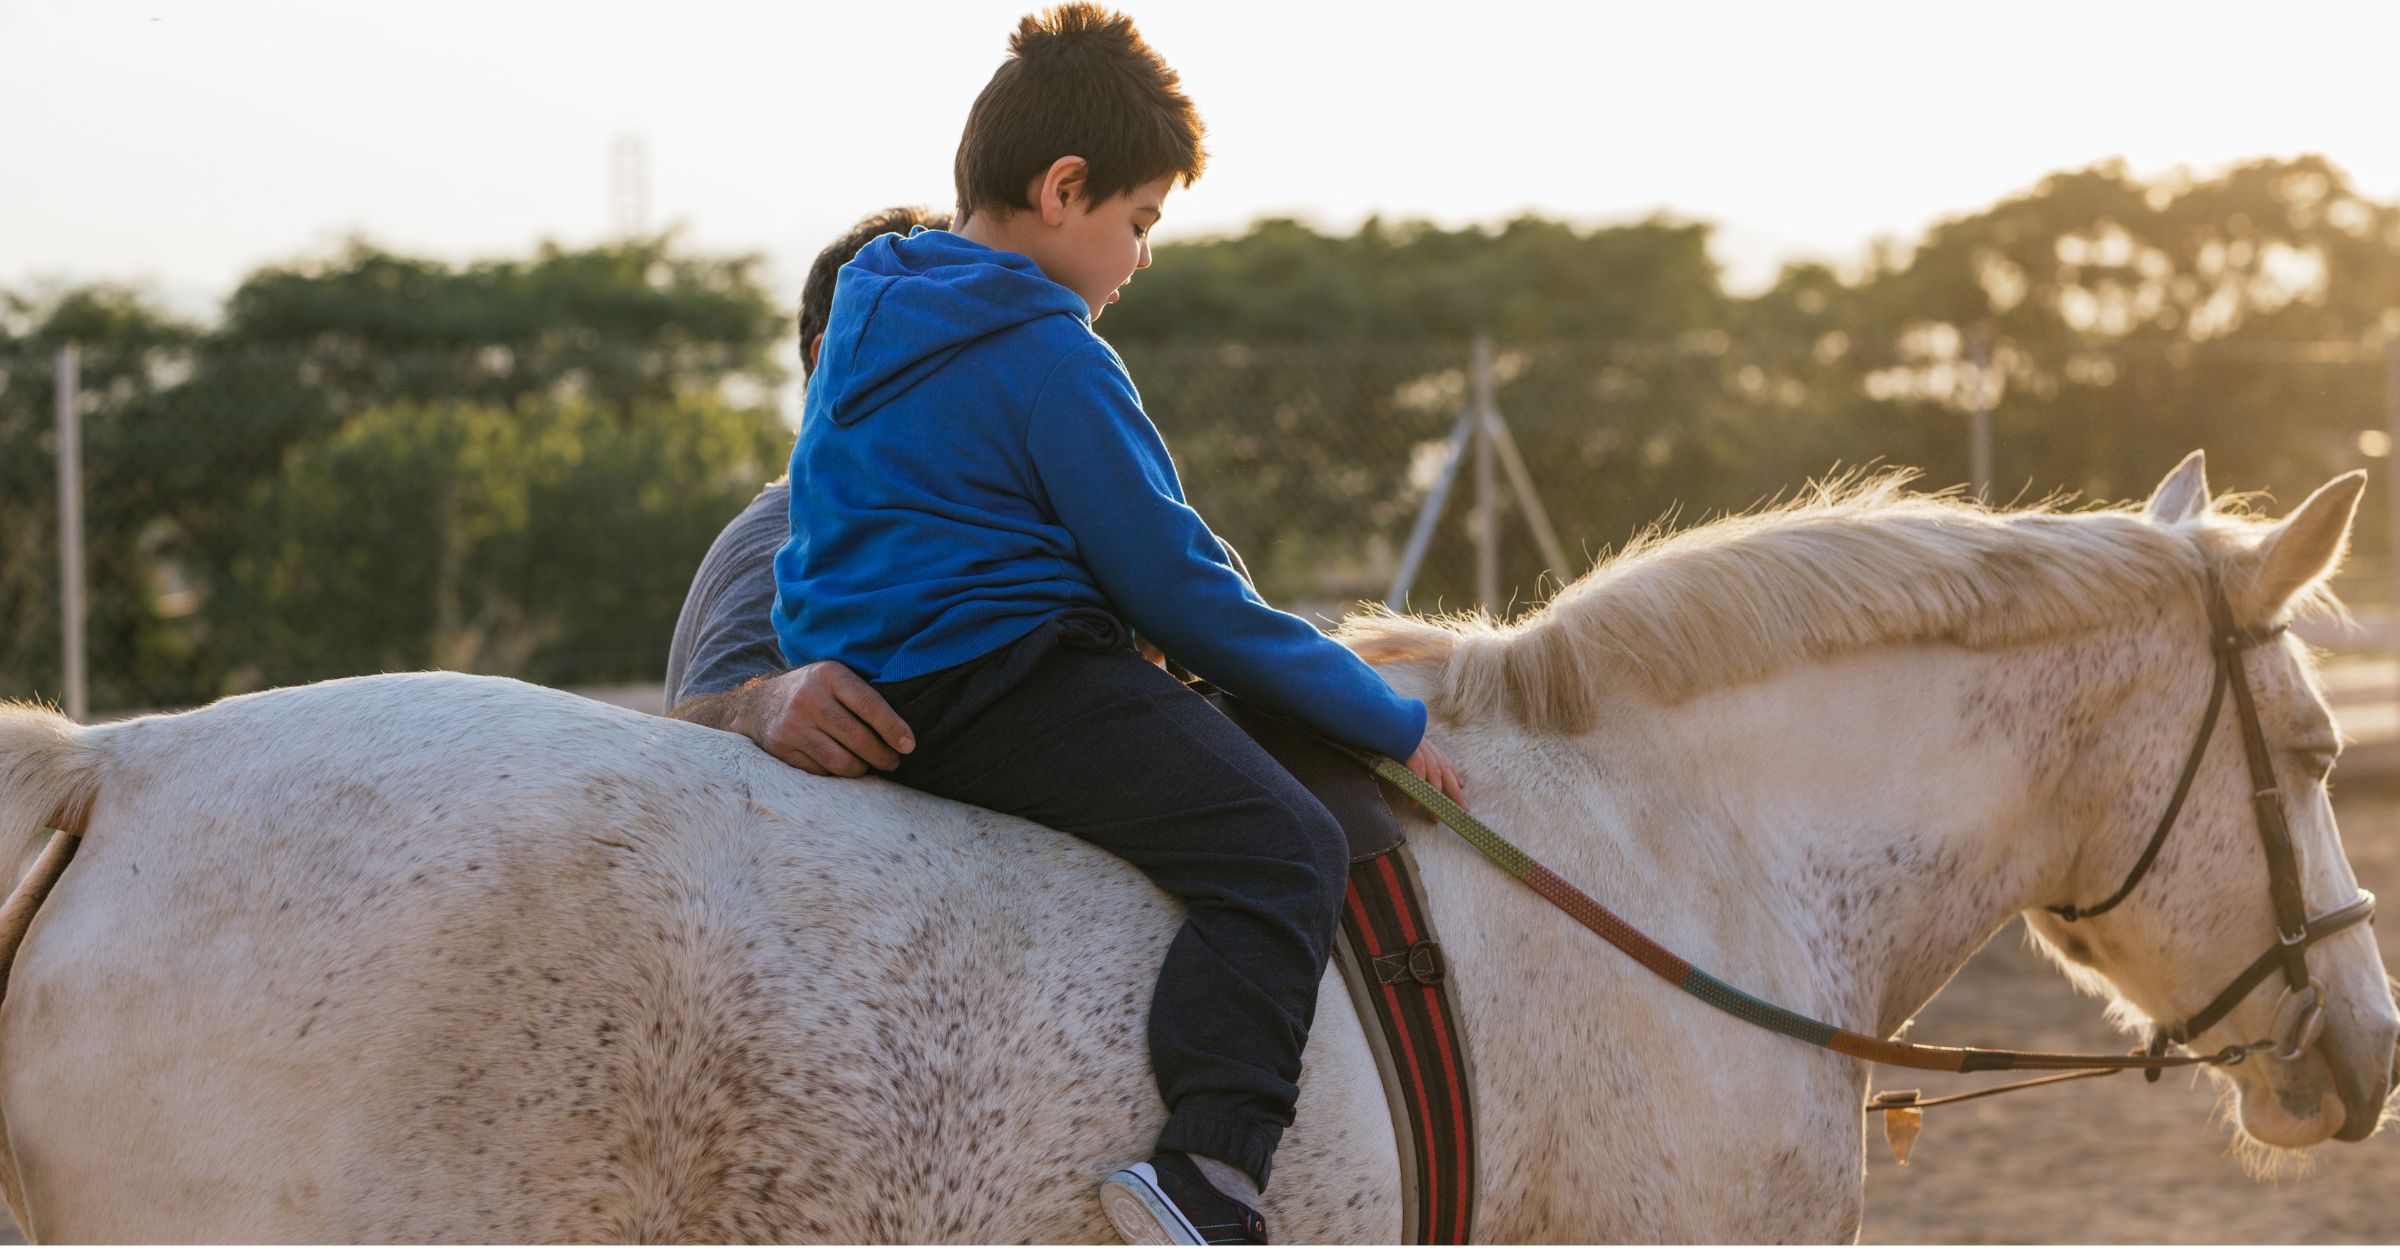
(816, 293)
(1079, 80)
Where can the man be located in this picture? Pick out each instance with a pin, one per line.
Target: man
(725, 668)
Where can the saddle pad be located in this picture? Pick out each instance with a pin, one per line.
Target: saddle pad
(1397, 979)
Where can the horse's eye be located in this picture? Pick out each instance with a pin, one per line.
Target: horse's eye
(2319, 761)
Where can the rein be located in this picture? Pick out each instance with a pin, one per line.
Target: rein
(2294, 930)
(1672, 968)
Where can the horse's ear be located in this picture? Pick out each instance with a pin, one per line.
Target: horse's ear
(2303, 549)
(2184, 494)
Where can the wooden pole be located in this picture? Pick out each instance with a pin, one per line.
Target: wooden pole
(1487, 489)
(1979, 430)
(70, 529)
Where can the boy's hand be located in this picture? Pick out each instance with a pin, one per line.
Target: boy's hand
(821, 718)
(1430, 765)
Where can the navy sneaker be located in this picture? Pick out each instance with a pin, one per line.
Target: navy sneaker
(1167, 1201)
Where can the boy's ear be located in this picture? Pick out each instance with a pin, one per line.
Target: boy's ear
(1062, 185)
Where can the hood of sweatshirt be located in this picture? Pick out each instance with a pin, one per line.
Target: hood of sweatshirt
(907, 305)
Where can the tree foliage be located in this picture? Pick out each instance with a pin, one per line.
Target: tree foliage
(2124, 322)
(650, 358)
(543, 538)
(374, 461)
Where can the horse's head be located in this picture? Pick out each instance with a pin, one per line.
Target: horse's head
(2204, 911)
(2080, 653)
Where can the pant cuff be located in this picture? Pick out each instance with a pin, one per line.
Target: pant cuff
(1246, 1144)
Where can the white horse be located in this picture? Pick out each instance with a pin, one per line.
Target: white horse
(439, 958)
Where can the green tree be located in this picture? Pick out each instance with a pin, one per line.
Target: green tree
(616, 325)
(626, 336)
(547, 540)
(376, 461)
(2130, 321)
(2127, 320)
(1305, 379)
(129, 350)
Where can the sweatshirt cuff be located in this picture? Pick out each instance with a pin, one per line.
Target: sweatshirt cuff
(1407, 730)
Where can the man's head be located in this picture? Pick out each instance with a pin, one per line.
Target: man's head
(816, 294)
(1069, 153)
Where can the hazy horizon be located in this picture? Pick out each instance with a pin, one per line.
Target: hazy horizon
(214, 141)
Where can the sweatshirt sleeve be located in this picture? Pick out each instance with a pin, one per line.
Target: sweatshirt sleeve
(1108, 477)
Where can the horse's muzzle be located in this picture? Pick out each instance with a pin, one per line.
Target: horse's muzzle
(2364, 1056)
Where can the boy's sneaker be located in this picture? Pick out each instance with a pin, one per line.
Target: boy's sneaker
(1166, 1201)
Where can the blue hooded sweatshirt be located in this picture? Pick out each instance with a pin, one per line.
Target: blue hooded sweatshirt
(973, 462)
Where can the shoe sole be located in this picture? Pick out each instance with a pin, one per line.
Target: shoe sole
(1142, 1215)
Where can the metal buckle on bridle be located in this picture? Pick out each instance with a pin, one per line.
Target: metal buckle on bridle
(2308, 1025)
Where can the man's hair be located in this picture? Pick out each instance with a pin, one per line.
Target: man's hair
(816, 294)
(1078, 81)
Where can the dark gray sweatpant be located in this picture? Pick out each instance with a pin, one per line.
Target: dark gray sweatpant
(1070, 728)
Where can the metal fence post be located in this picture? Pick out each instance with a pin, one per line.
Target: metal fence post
(1529, 501)
(1420, 536)
(1487, 488)
(70, 529)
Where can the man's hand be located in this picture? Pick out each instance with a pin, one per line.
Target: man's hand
(1430, 765)
(821, 717)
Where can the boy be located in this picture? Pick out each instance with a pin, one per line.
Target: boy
(980, 507)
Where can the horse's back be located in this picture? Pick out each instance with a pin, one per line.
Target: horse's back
(437, 958)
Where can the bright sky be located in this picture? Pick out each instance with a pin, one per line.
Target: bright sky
(181, 144)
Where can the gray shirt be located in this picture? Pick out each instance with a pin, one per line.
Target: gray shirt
(725, 635)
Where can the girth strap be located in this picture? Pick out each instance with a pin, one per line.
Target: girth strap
(1396, 978)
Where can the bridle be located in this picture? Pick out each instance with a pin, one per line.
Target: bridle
(2294, 930)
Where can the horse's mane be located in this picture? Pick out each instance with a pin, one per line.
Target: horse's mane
(1845, 564)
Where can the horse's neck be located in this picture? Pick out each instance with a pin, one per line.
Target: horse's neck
(1846, 832)
(1839, 839)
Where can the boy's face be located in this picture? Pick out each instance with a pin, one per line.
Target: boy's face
(1095, 249)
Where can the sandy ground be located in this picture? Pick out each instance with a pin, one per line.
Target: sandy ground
(2115, 1160)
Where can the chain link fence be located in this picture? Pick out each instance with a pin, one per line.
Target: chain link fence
(270, 517)
(263, 518)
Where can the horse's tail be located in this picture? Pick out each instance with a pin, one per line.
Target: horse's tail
(49, 773)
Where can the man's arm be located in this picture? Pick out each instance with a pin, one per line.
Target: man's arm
(821, 717)
(726, 668)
